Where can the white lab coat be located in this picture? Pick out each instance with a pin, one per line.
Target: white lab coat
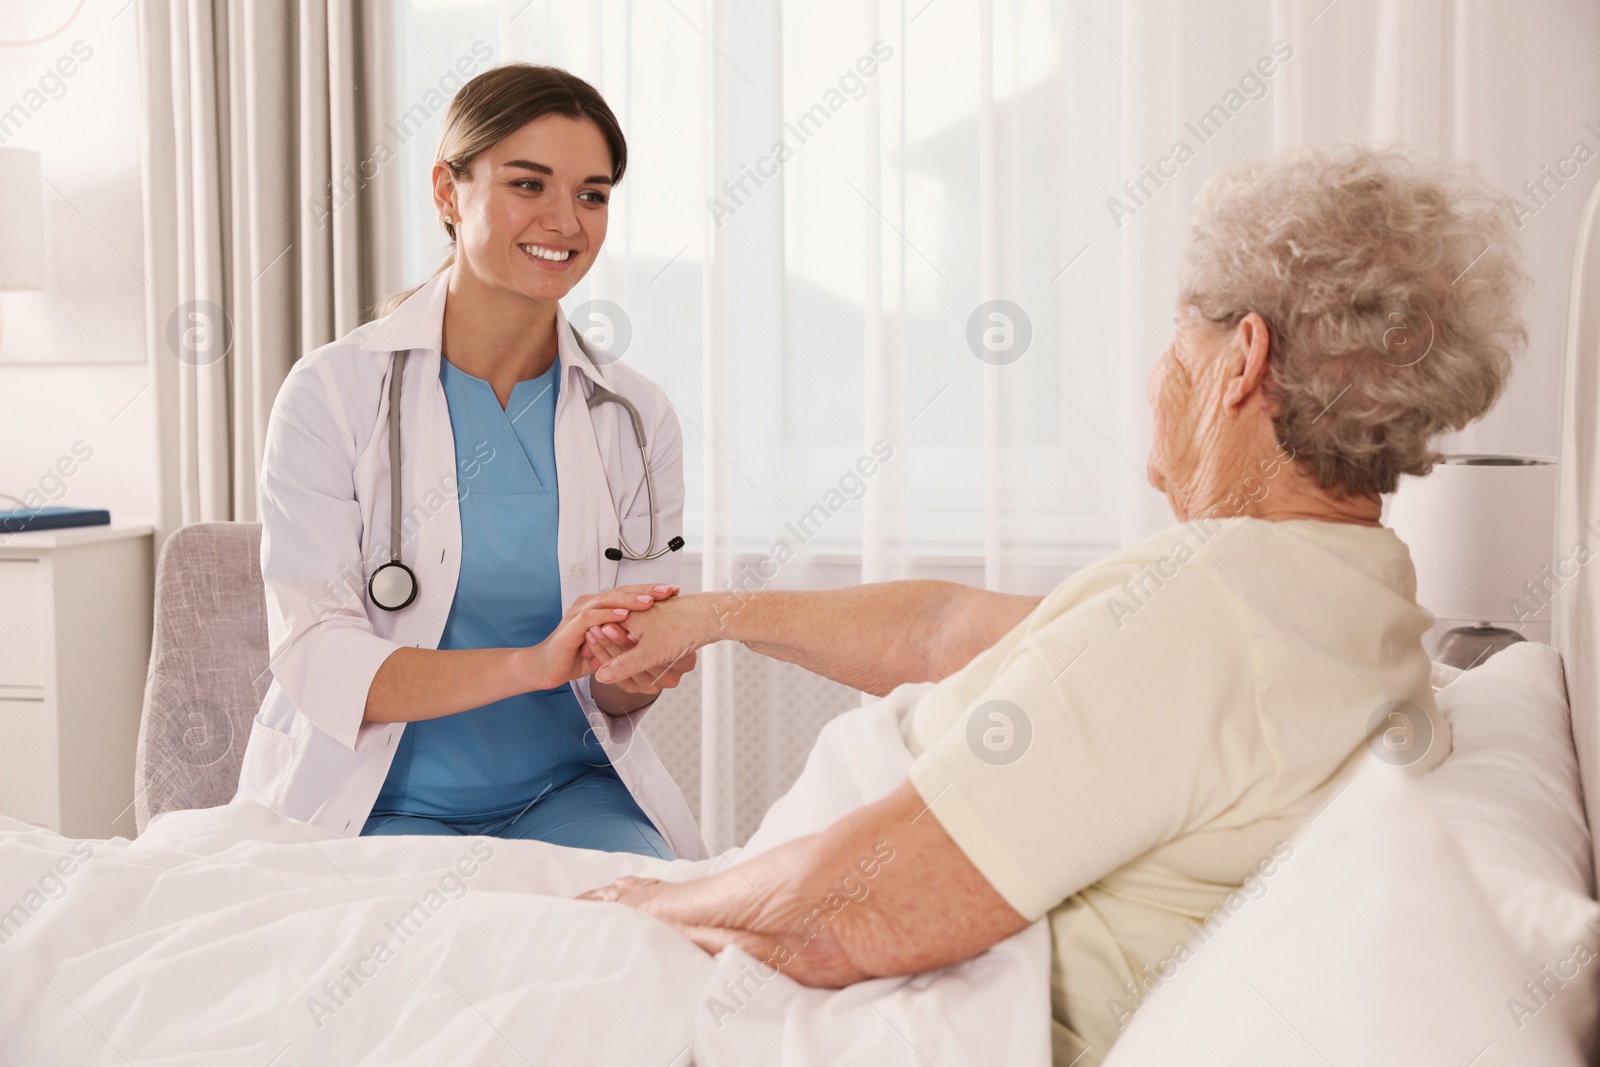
(325, 528)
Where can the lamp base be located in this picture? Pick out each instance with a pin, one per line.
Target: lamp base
(1467, 646)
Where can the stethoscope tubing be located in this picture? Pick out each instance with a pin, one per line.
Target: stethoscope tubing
(598, 395)
(602, 395)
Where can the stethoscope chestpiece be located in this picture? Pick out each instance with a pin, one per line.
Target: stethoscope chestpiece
(392, 586)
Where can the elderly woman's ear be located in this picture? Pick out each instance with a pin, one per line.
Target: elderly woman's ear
(1254, 341)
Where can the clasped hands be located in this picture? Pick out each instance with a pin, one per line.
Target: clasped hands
(648, 650)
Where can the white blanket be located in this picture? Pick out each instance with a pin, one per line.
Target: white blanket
(233, 936)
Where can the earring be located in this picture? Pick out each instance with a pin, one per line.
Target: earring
(448, 220)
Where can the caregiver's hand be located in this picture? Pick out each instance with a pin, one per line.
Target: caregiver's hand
(665, 643)
(559, 658)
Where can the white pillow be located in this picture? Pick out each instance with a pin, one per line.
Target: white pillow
(1510, 793)
(1513, 767)
(1371, 945)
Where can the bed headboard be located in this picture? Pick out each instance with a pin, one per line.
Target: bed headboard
(1576, 606)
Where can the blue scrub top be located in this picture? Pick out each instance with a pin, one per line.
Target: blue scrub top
(497, 759)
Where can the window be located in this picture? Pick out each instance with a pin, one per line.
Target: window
(837, 138)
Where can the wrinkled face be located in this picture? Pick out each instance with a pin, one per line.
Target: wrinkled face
(1182, 390)
(532, 216)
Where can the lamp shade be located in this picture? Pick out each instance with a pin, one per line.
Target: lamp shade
(21, 220)
(1481, 530)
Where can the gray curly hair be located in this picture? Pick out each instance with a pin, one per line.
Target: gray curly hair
(1392, 288)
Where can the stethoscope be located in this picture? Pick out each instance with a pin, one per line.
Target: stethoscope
(394, 586)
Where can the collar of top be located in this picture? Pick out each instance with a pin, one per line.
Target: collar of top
(418, 323)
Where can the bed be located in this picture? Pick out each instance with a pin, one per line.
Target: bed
(231, 935)
(1444, 920)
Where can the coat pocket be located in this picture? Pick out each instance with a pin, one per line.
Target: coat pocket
(269, 758)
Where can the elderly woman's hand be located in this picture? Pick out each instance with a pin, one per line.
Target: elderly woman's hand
(603, 644)
(635, 892)
(818, 960)
(657, 656)
(622, 693)
(870, 896)
(558, 659)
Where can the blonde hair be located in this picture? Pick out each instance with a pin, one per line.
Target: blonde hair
(501, 101)
(1391, 284)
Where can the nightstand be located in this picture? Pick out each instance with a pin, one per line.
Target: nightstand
(75, 618)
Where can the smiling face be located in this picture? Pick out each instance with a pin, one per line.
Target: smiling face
(532, 216)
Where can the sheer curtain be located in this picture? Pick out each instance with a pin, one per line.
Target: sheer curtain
(1512, 88)
(939, 239)
(820, 200)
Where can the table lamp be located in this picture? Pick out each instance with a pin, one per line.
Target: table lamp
(21, 222)
(1481, 530)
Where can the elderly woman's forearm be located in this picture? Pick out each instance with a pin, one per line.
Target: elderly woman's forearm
(871, 637)
(884, 891)
(914, 900)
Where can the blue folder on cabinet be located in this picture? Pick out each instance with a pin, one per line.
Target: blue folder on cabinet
(16, 520)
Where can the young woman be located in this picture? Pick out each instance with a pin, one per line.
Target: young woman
(428, 675)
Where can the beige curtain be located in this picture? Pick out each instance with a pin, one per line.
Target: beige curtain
(265, 198)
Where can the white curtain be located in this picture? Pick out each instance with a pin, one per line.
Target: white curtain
(1510, 87)
(801, 248)
(822, 198)
(259, 199)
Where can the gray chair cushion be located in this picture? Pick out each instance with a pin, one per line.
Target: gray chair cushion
(208, 669)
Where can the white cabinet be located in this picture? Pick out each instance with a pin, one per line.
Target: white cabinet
(75, 616)
(20, 662)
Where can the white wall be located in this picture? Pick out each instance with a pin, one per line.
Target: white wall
(45, 411)
(72, 353)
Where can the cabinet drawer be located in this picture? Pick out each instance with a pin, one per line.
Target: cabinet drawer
(27, 762)
(21, 625)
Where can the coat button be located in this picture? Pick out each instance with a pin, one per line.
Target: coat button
(579, 570)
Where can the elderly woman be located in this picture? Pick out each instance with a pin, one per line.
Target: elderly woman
(1123, 754)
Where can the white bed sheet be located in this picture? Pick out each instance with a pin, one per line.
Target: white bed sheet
(209, 940)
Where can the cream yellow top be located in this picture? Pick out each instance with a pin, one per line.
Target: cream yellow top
(1132, 757)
